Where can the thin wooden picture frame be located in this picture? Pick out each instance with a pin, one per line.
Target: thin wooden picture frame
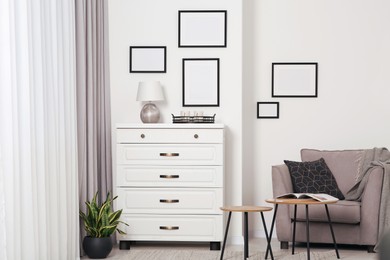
(295, 79)
(148, 59)
(202, 28)
(267, 110)
(200, 82)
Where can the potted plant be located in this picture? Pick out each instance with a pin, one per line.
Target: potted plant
(100, 222)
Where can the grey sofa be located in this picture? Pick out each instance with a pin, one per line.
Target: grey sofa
(354, 222)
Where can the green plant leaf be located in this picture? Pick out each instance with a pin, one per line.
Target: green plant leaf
(115, 216)
(100, 220)
(107, 230)
(120, 231)
(124, 223)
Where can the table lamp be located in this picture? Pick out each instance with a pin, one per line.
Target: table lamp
(150, 91)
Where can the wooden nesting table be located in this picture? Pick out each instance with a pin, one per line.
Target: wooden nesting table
(305, 202)
(245, 210)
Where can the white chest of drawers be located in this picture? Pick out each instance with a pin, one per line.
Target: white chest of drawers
(169, 182)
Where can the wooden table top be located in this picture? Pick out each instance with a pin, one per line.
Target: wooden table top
(299, 201)
(246, 208)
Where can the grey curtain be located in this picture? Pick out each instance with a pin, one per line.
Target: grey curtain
(93, 101)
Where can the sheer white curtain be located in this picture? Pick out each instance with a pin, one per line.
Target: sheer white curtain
(38, 152)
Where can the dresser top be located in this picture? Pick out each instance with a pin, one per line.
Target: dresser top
(169, 126)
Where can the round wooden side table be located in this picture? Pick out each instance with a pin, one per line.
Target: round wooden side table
(245, 210)
(305, 202)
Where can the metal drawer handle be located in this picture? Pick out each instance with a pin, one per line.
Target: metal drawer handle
(169, 201)
(196, 136)
(169, 154)
(169, 227)
(142, 136)
(169, 176)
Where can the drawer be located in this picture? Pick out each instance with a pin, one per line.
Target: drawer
(144, 135)
(161, 154)
(169, 176)
(170, 200)
(172, 228)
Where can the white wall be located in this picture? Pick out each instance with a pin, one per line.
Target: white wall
(154, 22)
(350, 40)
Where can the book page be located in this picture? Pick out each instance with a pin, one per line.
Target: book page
(316, 196)
(323, 197)
(289, 196)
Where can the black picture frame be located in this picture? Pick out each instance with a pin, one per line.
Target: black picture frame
(268, 110)
(295, 79)
(201, 81)
(202, 28)
(148, 59)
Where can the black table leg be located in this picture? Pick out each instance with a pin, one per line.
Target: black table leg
(331, 231)
(307, 232)
(267, 237)
(294, 226)
(272, 228)
(246, 247)
(226, 233)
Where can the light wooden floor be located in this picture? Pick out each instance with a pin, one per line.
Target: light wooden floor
(256, 244)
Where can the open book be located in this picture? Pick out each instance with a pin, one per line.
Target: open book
(317, 196)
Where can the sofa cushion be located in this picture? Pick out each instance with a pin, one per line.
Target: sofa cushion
(343, 211)
(313, 177)
(344, 164)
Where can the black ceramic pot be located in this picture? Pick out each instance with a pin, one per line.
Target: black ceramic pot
(97, 247)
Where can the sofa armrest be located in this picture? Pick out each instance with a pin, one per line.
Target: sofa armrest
(281, 180)
(281, 183)
(370, 205)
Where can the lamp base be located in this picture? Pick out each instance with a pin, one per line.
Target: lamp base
(150, 113)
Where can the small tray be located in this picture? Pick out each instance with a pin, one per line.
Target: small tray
(193, 119)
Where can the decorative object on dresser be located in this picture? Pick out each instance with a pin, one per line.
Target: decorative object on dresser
(150, 91)
(169, 178)
(100, 222)
(197, 119)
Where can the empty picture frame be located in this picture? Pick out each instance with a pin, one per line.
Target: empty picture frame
(295, 79)
(202, 28)
(201, 82)
(148, 59)
(267, 109)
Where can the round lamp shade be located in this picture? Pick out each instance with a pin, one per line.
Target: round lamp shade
(150, 91)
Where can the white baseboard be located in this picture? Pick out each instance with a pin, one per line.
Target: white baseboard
(239, 240)
(235, 240)
(260, 233)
